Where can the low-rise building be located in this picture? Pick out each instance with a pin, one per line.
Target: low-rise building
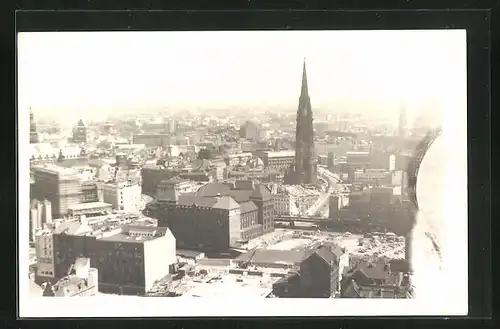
(375, 280)
(89, 209)
(81, 281)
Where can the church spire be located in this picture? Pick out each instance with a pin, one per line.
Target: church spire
(304, 91)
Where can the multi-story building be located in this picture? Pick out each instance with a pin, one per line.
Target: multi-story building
(241, 192)
(171, 126)
(201, 223)
(283, 204)
(44, 247)
(264, 201)
(60, 186)
(320, 273)
(250, 130)
(250, 226)
(90, 209)
(238, 159)
(359, 159)
(91, 191)
(122, 196)
(281, 160)
(151, 176)
(129, 258)
(371, 176)
(152, 139)
(81, 281)
(169, 189)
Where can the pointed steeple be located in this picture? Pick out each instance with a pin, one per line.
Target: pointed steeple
(304, 91)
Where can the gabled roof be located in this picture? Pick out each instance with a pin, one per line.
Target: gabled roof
(375, 271)
(352, 290)
(213, 189)
(240, 195)
(260, 191)
(226, 203)
(247, 206)
(325, 254)
(199, 201)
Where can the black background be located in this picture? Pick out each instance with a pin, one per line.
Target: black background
(478, 17)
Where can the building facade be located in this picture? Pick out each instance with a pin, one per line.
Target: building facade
(82, 281)
(129, 258)
(91, 191)
(283, 204)
(319, 274)
(122, 196)
(151, 176)
(202, 223)
(279, 160)
(60, 186)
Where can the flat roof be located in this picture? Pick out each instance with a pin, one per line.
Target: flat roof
(276, 154)
(120, 237)
(90, 205)
(55, 169)
(229, 287)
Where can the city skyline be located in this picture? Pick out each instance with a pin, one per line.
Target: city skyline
(348, 70)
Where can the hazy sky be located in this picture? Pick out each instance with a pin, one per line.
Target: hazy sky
(91, 74)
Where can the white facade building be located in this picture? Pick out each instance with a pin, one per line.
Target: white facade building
(283, 204)
(44, 246)
(122, 196)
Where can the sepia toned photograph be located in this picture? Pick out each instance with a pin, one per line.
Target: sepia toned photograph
(300, 172)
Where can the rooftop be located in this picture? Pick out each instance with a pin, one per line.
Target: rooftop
(247, 206)
(90, 205)
(56, 170)
(275, 154)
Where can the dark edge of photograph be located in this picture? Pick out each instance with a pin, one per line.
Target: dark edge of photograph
(476, 23)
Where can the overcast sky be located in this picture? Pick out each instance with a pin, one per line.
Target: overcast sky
(91, 74)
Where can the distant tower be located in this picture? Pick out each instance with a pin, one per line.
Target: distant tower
(305, 158)
(402, 123)
(33, 132)
(80, 133)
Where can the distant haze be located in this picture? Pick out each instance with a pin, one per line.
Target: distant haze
(93, 74)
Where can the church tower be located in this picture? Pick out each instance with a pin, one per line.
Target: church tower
(305, 157)
(33, 132)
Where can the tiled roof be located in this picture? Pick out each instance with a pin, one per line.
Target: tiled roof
(240, 195)
(247, 207)
(261, 191)
(199, 201)
(226, 203)
(213, 189)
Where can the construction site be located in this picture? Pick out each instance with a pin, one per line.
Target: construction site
(265, 260)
